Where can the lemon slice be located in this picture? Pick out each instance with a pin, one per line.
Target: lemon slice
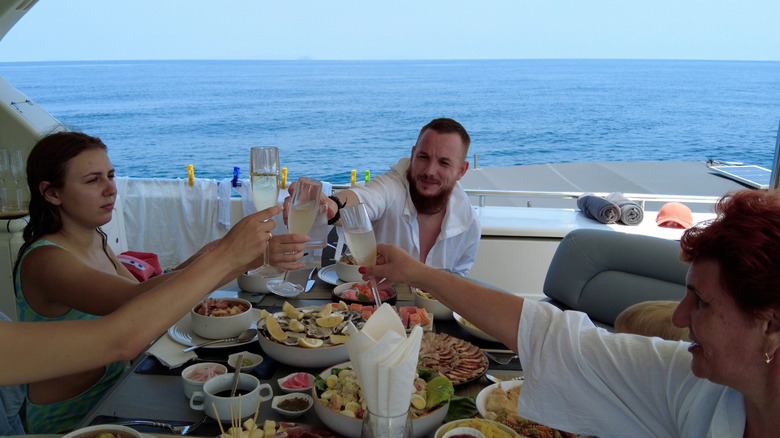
(327, 309)
(264, 314)
(309, 342)
(343, 306)
(330, 321)
(291, 311)
(338, 339)
(274, 328)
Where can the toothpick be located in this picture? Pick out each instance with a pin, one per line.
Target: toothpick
(213, 405)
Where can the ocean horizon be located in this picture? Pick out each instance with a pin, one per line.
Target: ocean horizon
(329, 117)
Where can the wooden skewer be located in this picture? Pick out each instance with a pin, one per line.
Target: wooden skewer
(213, 405)
(257, 411)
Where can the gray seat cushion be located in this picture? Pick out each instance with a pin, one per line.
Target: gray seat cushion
(602, 272)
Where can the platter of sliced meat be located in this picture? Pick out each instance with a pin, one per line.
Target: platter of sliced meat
(458, 360)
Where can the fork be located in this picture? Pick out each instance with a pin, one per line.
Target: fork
(177, 430)
(501, 361)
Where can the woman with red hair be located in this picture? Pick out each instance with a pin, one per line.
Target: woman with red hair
(584, 379)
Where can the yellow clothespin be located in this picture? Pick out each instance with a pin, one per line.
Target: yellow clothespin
(284, 178)
(368, 175)
(352, 179)
(191, 174)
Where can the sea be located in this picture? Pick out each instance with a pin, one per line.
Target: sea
(331, 117)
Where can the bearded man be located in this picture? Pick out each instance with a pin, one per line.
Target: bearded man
(419, 204)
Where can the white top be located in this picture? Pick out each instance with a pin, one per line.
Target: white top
(583, 379)
(394, 219)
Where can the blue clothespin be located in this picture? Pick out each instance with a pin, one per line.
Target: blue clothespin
(236, 170)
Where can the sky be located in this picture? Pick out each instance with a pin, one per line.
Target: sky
(68, 30)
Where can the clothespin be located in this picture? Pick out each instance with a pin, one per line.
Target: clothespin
(236, 171)
(352, 179)
(191, 174)
(368, 175)
(284, 178)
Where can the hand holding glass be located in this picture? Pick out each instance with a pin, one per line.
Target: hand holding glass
(303, 210)
(264, 177)
(361, 240)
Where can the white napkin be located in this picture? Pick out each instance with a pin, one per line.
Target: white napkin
(170, 352)
(385, 361)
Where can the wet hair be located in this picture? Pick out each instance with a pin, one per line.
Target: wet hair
(744, 240)
(48, 161)
(448, 126)
(651, 318)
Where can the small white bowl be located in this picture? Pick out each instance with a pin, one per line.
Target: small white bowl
(191, 385)
(290, 376)
(434, 307)
(254, 359)
(93, 431)
(255, 283)
(290, 413)
(347, 272)
(460, 431)
(221, 327)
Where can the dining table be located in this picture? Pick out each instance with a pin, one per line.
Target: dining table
(149, 390)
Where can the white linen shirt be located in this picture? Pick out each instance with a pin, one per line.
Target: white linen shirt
(583, 379)
(394, 219)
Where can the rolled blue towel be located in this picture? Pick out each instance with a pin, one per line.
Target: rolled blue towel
(598, 208)
(630, 211)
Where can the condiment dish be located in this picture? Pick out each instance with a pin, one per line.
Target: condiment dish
(248, 363)
(293, 382)
(293, 404)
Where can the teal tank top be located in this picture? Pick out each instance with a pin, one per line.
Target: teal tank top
(63, 416)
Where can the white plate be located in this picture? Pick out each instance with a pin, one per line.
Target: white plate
(181, 332)
(482, 396)
(473, 331)
(328, 275)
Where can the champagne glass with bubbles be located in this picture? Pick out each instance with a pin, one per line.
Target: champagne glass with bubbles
(264, 177)
(361, 240)
(303, 210)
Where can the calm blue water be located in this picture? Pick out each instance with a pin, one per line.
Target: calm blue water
(329, 117)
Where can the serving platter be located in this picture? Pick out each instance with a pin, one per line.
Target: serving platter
(181, 332)
(472, 330)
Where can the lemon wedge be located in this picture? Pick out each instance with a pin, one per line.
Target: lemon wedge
(327, 309)
(291, 311)
(296, 326)
(309, 342)
(274, 328)
(264, 314)
(330, 321)
(338, 339)
(343, 306)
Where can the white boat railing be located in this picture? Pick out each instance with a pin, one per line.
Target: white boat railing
(641, 198)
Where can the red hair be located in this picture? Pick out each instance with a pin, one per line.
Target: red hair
(745, 242)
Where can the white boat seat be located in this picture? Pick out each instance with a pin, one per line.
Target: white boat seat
(602, 272)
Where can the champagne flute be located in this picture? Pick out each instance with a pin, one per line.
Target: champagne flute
(361, 240)
(264, 177)
(17, 165)
(303, 210)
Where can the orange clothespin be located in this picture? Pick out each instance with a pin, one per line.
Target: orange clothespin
(191, 174)
(352, 179)
(284, 178)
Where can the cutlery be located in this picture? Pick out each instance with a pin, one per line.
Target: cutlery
(310, 282)
(178, 430)
(246, 335)
(236, 375)
(500, 361)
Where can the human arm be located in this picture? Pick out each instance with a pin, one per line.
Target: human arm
(67, 347)
(478, 304)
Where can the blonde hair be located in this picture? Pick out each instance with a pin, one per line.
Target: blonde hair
(651, 318)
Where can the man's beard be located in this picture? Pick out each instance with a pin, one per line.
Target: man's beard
(427, 204)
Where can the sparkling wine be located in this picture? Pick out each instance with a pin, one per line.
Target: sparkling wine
(362, 244)
(265, 190)
(302, 217)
